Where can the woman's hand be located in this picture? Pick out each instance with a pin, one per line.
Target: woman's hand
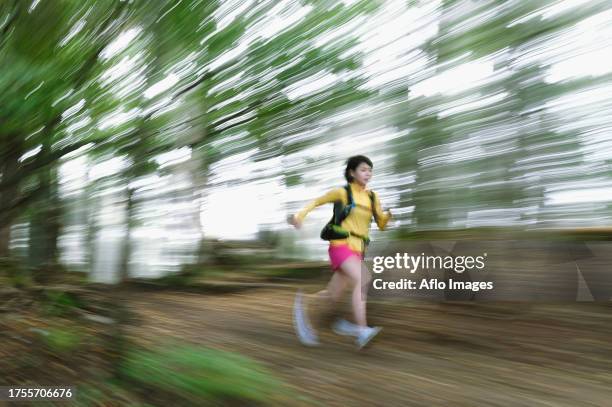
(292, 220)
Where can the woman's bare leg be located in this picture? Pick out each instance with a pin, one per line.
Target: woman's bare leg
(353, 269)
(336, 286)
(327, 299)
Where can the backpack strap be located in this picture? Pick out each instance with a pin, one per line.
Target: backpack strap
(341, 211)
(373, 201)
(349, 195)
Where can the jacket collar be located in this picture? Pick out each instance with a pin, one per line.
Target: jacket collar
(357, 187)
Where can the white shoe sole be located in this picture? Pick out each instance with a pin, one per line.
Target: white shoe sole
(301, 325)
(342, 333)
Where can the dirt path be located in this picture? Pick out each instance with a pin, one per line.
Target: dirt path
(428, 354)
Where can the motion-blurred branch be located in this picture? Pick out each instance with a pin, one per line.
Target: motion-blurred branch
(13, 15)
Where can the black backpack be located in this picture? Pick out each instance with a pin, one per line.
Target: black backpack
(332, 230)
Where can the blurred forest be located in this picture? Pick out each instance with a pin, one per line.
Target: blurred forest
(121, 120)
(163, 143)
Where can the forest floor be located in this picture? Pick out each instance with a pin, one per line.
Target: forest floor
(460, 354)
(428, 354)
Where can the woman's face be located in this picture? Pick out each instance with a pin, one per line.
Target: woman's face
(362, 173)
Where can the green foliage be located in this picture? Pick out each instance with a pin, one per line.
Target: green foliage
(268, 237)
(105, 393)
(238, 88)
(58, 91)
(16, 274)
(493, 174)
(58, 303)
(293, 179)
(199, 375)
(62, 340)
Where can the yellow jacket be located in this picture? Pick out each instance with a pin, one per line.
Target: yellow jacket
(360, 217)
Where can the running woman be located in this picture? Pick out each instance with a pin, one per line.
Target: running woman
(346, 255)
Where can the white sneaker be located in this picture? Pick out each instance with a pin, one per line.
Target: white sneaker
(346, 328)
(304, 331)
(366, 335)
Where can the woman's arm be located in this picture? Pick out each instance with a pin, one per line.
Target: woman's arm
(381, 217)
(332, 196)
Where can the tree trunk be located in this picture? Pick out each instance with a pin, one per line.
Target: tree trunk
(8, 194)
(5, 239)
(46, 222)
(126, 254)
(93, 207)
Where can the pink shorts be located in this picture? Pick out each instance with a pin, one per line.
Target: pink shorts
(339, 253)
